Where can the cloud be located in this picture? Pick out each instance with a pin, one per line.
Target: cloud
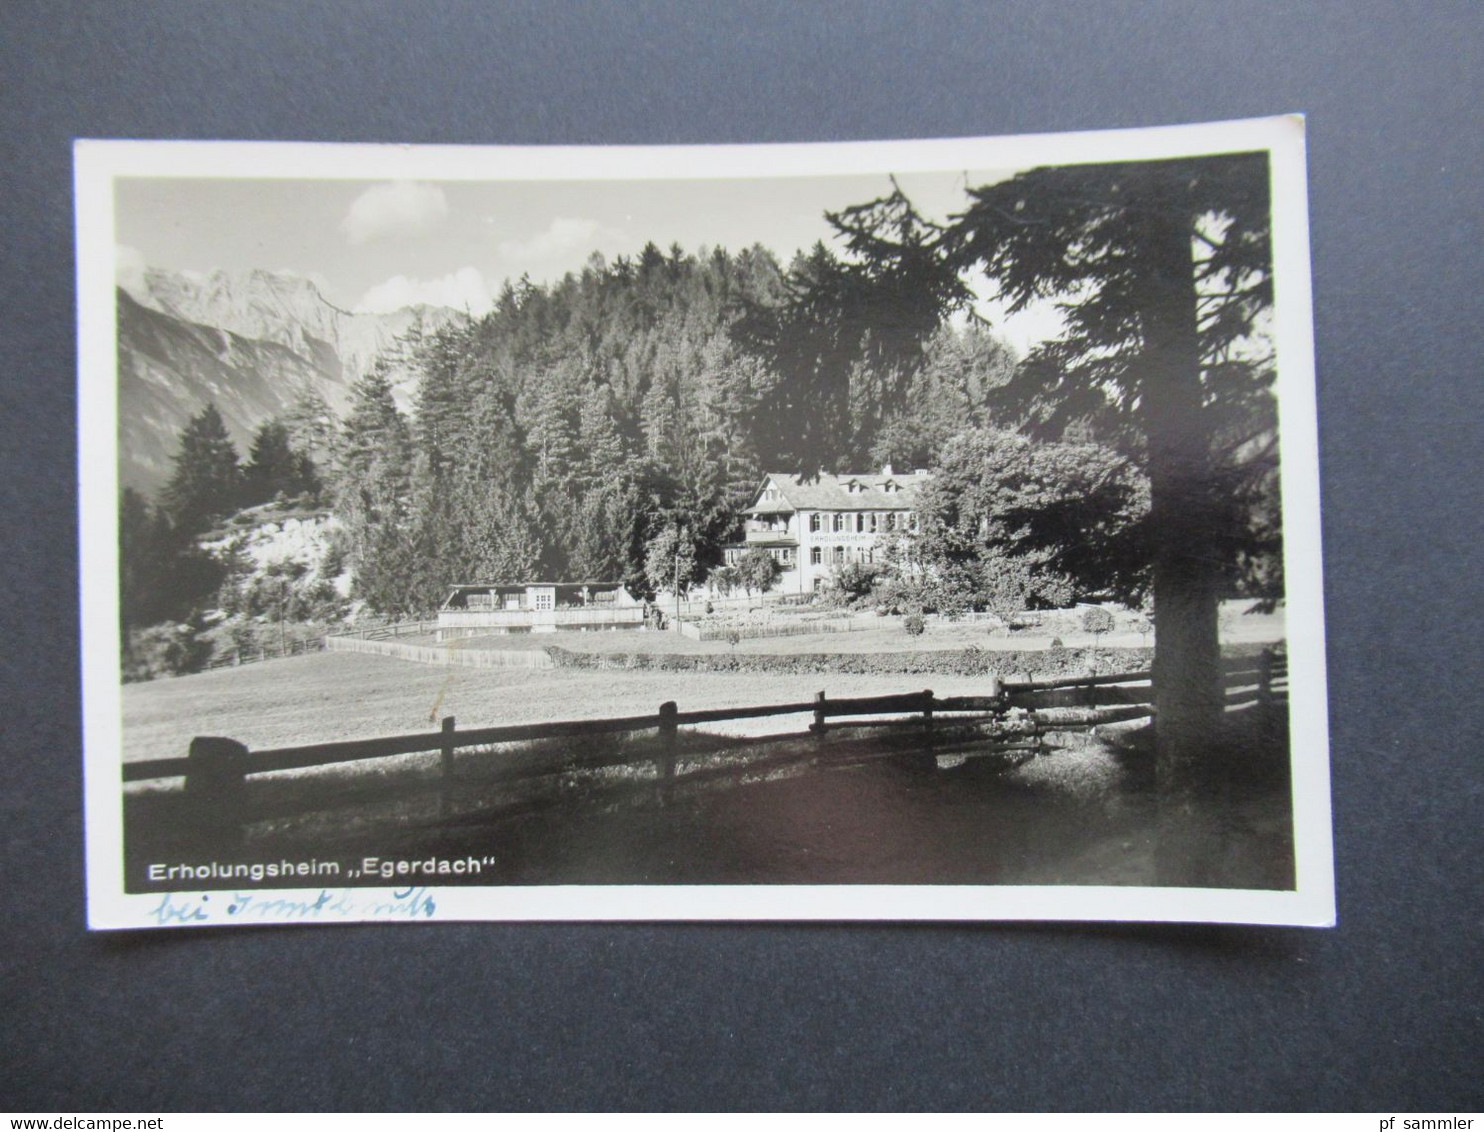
(397, 208)
(565, 244)
(461, 289)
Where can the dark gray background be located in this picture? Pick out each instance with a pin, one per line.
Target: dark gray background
(1381, 1013)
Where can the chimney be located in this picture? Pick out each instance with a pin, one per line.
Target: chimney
(886, 470)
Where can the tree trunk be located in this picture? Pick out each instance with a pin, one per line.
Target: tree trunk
(1182, 514)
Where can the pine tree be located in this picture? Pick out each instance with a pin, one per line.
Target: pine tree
(206, 482)
(274, 468)
(373, 485)
(312, 426)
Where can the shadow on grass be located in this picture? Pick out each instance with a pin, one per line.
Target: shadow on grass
(968, 803)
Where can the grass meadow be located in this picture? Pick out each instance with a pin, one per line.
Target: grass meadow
(328, 696)
(324, 697)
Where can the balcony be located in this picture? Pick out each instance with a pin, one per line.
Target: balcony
(770, 536)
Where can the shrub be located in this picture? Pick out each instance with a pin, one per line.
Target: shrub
(169, 649)
(966, 662)
(1097, 621)
(1056, 644)
(914, 624)
(854, 582)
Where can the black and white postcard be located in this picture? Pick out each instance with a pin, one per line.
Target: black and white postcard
(912, 531)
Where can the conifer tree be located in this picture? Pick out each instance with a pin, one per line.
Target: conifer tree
(1163, 272)
(206, 482)
(275, 468)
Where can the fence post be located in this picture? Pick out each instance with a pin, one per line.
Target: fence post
(1035, 722)
(818, 725)
(668, 733)
(216, 790)
(927, 713)
(1265, 697)
(445, 762)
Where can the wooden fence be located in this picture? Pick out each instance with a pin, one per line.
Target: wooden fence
(392, 631)
(215, 769)
(443, 654)
(239, 657)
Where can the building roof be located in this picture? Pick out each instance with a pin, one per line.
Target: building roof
(861, 491)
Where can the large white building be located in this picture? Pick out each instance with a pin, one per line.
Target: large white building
(813, 525)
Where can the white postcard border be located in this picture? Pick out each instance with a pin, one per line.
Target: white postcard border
(98, 163)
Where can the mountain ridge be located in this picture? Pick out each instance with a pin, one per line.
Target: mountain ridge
(251, 342)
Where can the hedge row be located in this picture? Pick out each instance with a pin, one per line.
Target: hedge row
(1037, 663)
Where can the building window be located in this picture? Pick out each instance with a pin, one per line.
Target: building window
(815, 555)
(839, 554)
(890, 522)
(839, 523)
(814, 523)
(873, 519)
(860, 522)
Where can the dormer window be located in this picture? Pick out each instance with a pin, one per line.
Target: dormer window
(890, 487)
(853, 487)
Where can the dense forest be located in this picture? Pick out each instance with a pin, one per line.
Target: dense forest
(572, 430)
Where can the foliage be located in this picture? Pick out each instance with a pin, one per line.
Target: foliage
(1016, 663)
(1163, 277)
(206, 480)
(1097, 621)
(163, 574)
(672, 561)
(954, 389)
(170, 648)
(1010, 524)
(276, 468)
(913, 624)
(853, 583)
(850, 334)
(725, 580)
(758, 570)
(373, 494)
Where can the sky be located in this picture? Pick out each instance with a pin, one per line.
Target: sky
(378, 246)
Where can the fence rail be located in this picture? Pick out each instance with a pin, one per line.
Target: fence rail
(239, 657)
(444, 653)
(215, 769)
(383, 632)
